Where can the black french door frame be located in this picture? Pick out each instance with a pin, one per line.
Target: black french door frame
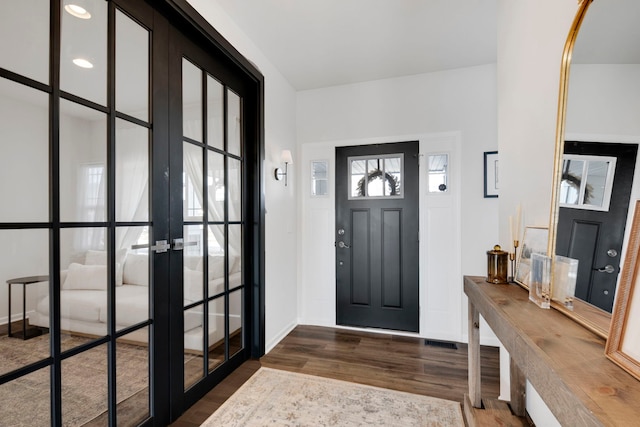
(188, 26)
(159, 17)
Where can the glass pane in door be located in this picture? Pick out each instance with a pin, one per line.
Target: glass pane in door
(83, 58)
(83, 163)
(215, 113)
(132, 172)
(192, 181)
(193, 345)
(235, 255)
(132, 365)
(34, 389)
(216, 186)
(133, 289)
(235, 189)
(217, 260)
(83, 284)
(132, 67)
(236, 341)
(24, 28)
(234, 123)
(193, 262)
(81, 404)
(191, 101)
(24, 270)
(217, 341)
(24, 153)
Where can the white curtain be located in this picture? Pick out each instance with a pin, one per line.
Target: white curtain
(194, 171)
(132, 180)
(91, 206)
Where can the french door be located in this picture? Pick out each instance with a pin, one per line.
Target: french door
(130, 161)
(207, 109)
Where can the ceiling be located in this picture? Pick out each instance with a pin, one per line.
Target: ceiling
(320, 43)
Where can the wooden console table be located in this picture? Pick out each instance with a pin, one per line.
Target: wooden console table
(563, 361)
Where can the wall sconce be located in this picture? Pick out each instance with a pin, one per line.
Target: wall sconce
(286, 159)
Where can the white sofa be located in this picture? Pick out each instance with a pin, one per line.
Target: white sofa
(83, 298)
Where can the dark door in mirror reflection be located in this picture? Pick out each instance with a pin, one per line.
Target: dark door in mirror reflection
(594, 201)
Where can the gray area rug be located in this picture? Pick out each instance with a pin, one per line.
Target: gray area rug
(279, 398)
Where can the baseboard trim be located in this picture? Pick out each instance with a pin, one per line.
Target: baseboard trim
(279, 337)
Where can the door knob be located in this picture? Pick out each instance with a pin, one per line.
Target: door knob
(343, 245)
(606, 269)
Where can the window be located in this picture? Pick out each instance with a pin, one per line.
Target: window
(438, 173)
(376, 177)
(319, 178)
(587, 182)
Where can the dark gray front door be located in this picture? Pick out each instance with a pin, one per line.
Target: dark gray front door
(377, 236)
(594, 236)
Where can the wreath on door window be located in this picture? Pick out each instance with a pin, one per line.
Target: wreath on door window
(576, 182)
(377, 174)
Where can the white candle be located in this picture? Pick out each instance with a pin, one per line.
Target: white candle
(511, 229)
(518, 219)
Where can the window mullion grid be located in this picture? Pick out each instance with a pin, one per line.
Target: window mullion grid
(583, 182)
(225, 127)
(54, 241)
(111, 213)
(205, 225)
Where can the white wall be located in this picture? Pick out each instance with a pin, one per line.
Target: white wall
(461, 101)
(531, 36)
(281, 218)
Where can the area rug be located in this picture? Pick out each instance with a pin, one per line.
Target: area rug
(26, 400)
(273, 397)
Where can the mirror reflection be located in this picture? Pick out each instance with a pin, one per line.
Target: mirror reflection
(600, 150)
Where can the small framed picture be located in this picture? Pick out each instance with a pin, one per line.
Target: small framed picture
(491, 174)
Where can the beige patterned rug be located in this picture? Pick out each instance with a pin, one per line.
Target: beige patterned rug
(279, 398)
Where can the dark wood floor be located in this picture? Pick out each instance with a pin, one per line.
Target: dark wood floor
(381, 360)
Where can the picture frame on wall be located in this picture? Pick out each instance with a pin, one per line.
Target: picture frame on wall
(623, 343)
(534, 241)
(491, 184)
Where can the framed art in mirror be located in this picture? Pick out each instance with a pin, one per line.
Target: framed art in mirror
(490, 174)
(534, 241)
(623, 344)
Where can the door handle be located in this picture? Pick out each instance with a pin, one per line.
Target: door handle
(606, 269)
(160, 247)
(180, 244)
(343, 245)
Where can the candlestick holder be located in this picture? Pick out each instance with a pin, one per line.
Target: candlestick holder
(512, 258)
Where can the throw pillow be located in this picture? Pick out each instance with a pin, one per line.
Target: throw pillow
(100, 258)
(93, 277)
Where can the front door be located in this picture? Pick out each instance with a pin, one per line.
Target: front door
(377, 236)
(596, 186)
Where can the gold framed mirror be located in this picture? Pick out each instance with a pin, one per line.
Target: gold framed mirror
(598, 106)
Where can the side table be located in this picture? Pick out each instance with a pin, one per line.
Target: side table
(24, 281)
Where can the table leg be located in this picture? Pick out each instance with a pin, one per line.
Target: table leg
(518, 387)
(24, 311)
(474, 357)
(9, 312)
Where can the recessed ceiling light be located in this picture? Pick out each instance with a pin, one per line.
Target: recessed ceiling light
(77, 11)
(82, 63)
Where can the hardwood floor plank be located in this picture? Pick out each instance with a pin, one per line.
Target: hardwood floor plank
(381, 360)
